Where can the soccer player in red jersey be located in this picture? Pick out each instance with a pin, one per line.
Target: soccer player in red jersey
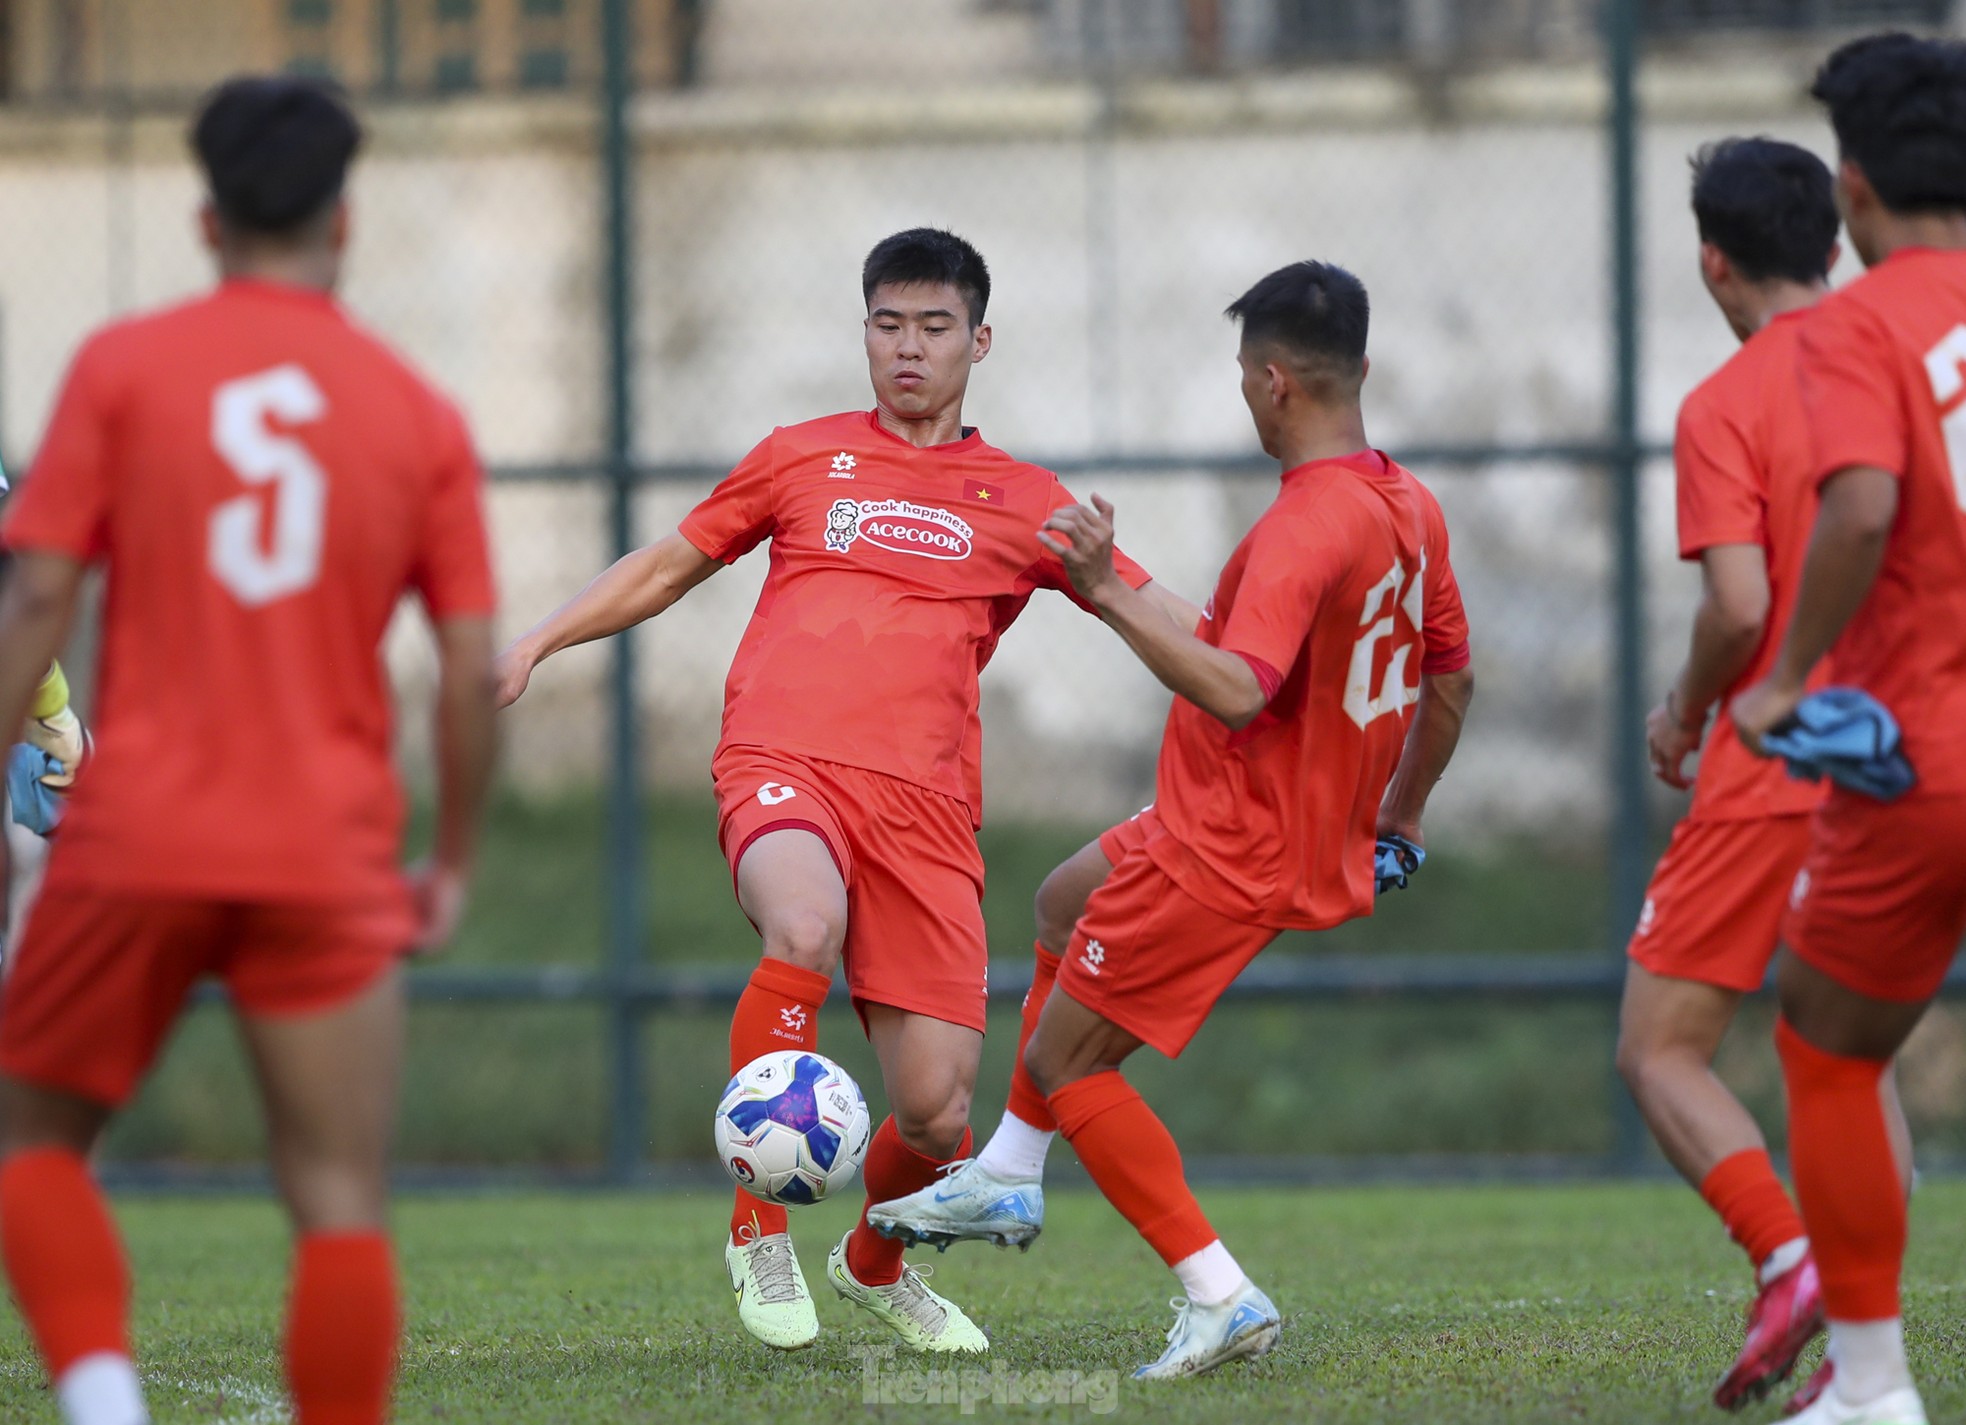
(848, 774)
(1767, 221)
(1317, 703)
(263, 481)
(1879, 910)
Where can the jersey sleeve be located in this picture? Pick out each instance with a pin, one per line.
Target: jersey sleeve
(1051, 569)
(1443, 618)
(1719, 490)
(1285, 578)
(736, 516)
(453, 573)
(1850, 382)
(63, 505)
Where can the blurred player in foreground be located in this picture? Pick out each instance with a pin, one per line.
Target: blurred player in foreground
(1879, 910)
(1766, 213)
(264, 482)
(1317, 703)
(848, 777)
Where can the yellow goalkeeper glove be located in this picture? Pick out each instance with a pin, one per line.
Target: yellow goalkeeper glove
(53, 727)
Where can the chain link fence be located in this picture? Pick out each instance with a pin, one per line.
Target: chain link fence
(1128, 169)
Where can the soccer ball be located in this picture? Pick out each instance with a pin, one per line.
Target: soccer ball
(792, 1127)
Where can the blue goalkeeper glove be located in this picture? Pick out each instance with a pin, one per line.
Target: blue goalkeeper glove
(1848, 736)
(1395, 859)
(36, 806)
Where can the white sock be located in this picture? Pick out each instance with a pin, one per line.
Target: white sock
(101, 1390)
(1210, 1275)
(1015, 1151)
(1782, 1259)
(1870, 1358)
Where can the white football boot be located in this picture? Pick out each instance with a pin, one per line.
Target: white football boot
(1897, 1407)
(923, 1320)
(772, 1300)
(1203, 1337)
(968, 1205)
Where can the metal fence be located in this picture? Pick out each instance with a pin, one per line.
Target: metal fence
(626, 233)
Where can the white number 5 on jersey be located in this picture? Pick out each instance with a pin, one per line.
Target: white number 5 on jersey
(258, 570)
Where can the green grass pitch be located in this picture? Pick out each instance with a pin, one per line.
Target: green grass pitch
(1440, 1304)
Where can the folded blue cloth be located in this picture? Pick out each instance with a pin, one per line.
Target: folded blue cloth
(36, 807)
(1395, 859)
(1848, 736)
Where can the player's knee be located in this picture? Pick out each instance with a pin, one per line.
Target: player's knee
(1646, 1060)
(335, 1197)
(1634, 1057)
(1049, 1068)
(809, 938)
(1056, 911)
(933, 1124)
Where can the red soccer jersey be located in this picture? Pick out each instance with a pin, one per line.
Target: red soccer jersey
(1884, 384)
(894, 571)
(263, 481)
(1344, 589)
(1742, 460)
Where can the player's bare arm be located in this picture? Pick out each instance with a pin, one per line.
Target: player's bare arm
(1727, 631)
(467, 746)
(635, 588)
(1430, 744)
(1182, 614)
(1220, 683)
(1860, 505)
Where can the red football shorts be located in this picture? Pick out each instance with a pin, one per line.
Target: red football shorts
(913, 873)
(1713, 912)
(1118, 842)
(98, 980)
(1880, 906)
(1147, 955)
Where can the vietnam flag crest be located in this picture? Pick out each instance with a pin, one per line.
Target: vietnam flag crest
(983, 492)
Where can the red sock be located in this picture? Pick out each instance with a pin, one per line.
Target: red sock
(63, 1257)
(779, 1009)
(342, 1328)
(1744, 1190)
(1845, 1177)
(892, 1170)
(1133, 1158)
(1025, 1100)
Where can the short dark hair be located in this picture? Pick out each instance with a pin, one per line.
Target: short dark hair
(1898, 105)
(929, 255)
(275, 150)
(1317, 311)
(1770, 206)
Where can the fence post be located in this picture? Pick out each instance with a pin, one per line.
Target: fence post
(1629, 838)
(624, 824)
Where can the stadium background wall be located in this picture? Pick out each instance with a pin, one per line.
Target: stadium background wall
(626, 236)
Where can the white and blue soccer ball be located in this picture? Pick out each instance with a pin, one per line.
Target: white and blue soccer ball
(792, 1127)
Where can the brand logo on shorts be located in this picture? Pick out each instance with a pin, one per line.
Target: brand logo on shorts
(1093, 957)
(1800, 892)
(772, 793)
(1647, 916)
(901, 526)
